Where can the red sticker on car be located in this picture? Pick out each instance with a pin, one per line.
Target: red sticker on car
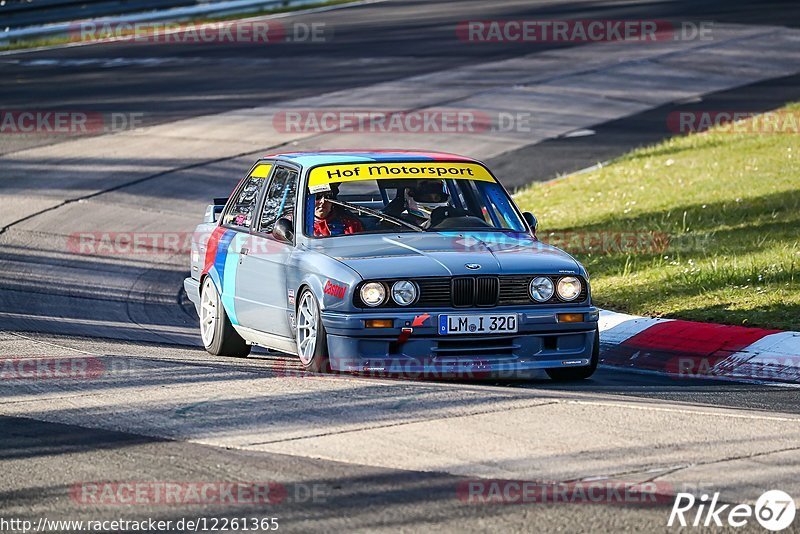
(334, 290)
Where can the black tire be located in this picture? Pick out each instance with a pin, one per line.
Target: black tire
(319, 362)
(571, 374)
(226, 340)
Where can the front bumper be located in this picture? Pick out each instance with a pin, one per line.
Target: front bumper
(540, 343)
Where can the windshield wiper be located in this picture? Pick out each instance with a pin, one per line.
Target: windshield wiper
(378, 214)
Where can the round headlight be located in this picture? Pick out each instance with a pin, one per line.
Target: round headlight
(404, 292)
(569, 288)
(541, 288)
(373, 294)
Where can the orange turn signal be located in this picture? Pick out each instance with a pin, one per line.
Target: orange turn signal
(570, 317)
(378, 323)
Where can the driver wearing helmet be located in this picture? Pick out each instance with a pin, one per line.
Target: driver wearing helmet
(406, 204)
(331, 219)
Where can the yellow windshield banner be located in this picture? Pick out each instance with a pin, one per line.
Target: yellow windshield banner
(261, 170)
(351, 172)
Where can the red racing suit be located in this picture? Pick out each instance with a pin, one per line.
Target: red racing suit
(337, 224)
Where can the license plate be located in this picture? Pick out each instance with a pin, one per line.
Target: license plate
(477, 324)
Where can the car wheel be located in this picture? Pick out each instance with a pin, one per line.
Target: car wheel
(219, 336)
(312, 346)
(568, 374)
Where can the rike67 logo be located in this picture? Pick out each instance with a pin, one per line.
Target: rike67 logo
(774, 510)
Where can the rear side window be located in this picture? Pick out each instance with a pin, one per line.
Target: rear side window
(243, 203)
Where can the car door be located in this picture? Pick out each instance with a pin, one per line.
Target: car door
(262, 294)
(236, 220)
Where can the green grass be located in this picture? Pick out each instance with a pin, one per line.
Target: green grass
(730, 206)
(37, 42)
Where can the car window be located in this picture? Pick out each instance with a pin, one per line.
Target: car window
(430, 204)
(280, 199)
(240, 212)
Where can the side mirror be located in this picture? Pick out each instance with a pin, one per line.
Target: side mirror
(283, 230)
(531, 220)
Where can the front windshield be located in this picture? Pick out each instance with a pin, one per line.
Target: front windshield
(406, 197)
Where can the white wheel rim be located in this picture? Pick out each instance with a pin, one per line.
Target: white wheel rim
(307, 328)
(208, 312)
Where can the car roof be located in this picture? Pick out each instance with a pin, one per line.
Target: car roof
(320, 157)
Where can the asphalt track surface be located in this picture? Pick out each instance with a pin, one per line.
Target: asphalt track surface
(373, 43)
(367, 45)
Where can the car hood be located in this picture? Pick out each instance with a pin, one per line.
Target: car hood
(445, 254)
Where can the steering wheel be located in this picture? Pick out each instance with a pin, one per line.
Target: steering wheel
(446, 217)
(438, 215)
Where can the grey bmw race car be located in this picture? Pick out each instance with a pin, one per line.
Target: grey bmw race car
(403, 263)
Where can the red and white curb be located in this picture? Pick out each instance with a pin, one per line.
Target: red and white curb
(687, 349)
